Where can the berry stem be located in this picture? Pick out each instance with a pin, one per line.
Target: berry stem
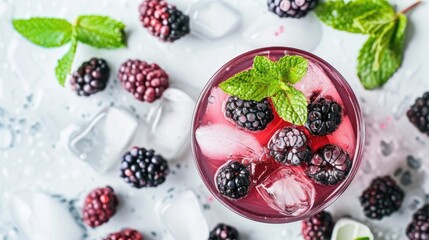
(411, 7)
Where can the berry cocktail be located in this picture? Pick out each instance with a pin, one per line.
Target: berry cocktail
(277, 135)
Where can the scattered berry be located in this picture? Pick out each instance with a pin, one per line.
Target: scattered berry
(382, 198)
(233, 180)
(418, 114)
(418, 229)
(250, 114)
(91, 77)
(291, 8)
(330, 165)
(324, 117)
(100, 205)
(145, 81)
(163, 20)
(224, 232)
(127, 234)
(318, 227)
(289, 146)
(143, 168)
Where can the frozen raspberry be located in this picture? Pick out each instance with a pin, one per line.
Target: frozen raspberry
(289, 146)
(418, 114)
(126, 234)
(100, 205)
(382, 198)
(233, 180)
(324, 117)
(224, 232)
(143, 168)
(291, 8)
(329, 166)
(318, 227)
(163, 20)
(145, 81)
(418, 229)
(91, 77)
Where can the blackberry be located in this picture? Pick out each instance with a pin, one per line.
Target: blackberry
(418, 229)
(329, 166)
(382, 198)
(224, 232)
(418, 114)
(143, 168)
(233, 180)
(91, 77)
(145, 81)
(126, 234)
(318, 227)
(324, 117)
(289, 146)
(291, 8)
(100, 205)
(163, 20)
(249, 114)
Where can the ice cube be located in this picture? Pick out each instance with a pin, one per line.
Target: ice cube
(38, 215)
(212, 19)
(169, 123)
(102, 141)
(219, 142)
(183, 217)
(6, 137)
(288, 191)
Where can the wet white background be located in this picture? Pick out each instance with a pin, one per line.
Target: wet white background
(36, 110)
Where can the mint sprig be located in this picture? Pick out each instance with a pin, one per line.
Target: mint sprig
(381, 55)
(97, 31)
(268, 79)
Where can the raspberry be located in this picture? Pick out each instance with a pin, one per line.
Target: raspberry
(100, 205)
(418, 114)
(163, 20)
(126, 234)
(251, 115)
(418, 229)
(233, 180)
(318, 227)
(291, 8)
(91, 77)
(324, 117)
(289, 146)
(143, 168)
(145, 81)
(329, 166)
(382, 198)
(224, 232)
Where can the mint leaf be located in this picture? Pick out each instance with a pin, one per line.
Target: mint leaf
(382, 43)
(46, 32)
(65, 63)
(266, 69)
(291, 105)
(375, 22)
(341, 15)
(292, 68)
(100, 31)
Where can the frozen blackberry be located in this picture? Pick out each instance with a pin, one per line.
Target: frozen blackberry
(324, 117)
(126, 234)
(224, 232)
(289, 146)
(91, 77)
(418, 229)
(291, 8)
(418, 114)
(143, 168)
(318, 227)
(163, 20)
(233, 180)
(100, 205)
(329, 166)
(382, 198)
(145, 81)
(249, 114)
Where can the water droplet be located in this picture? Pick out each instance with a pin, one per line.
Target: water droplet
(413, 163)
(212, 99)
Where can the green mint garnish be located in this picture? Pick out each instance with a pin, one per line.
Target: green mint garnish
(268, 79)
(381, 55)
(97, 31)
